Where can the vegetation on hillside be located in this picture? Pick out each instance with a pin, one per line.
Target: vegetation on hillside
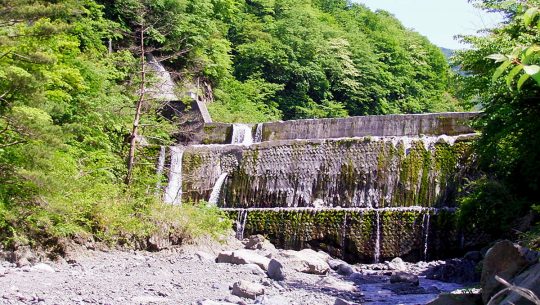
(508, 93)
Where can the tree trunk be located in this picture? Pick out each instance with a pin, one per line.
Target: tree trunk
(136, 120)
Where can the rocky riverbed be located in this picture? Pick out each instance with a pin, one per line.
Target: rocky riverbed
(250, 273)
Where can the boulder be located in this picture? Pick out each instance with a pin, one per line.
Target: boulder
(307, 261)
(397, 264)
(529, 279)
(245, 289)
(334, 263)
(255, 242)
(462, 271)
(402, 277)
(210, 302)
(275, 270)
(475, 256)
(345, 269)
(457, 299)
(333, 284)
(505, 260)
(342, 302)
(241, 257)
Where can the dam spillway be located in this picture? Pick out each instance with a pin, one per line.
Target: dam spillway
(362, 188)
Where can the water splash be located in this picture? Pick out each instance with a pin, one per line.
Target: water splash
(425, 226)
(241, 224)
(343, 235)
(173, 192)
(163, 88)
(159, 169)
(216, 191)
(242, 134)
(377, 252)
(258, 133)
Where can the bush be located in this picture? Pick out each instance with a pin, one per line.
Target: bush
(489, 208)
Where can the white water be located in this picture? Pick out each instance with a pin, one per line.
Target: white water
(242, 134)
(162, 88)
(241, 224)
(377, 252)
(426, 234)
(258, 133)
(343, 235)
(160, 167)
(173, 192)
(216, 191)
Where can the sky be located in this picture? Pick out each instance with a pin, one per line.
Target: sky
(439, 20)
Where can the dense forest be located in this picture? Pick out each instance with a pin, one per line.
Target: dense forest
(71, 73)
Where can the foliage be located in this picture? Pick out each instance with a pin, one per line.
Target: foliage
(507, 148)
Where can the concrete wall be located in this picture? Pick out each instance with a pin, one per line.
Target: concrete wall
(374, 125)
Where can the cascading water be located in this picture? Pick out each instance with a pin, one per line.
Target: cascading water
(216, 191)
(242, 134)
(173, 192)
(241, 223)
(343, 235)
(258, 133)
(426, 234)
(160, 167)
(377, 252)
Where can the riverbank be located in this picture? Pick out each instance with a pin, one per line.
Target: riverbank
(191, 275)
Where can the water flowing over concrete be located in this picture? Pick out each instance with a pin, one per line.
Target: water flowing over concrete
(216, 191)
(363, 188)
(160, 167)
(162, 86)
(173, 192)
(242, 134)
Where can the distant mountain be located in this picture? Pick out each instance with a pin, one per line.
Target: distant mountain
(447, 52)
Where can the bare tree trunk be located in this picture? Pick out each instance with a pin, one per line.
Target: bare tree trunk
(136, 120)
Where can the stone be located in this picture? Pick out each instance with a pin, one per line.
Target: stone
(334, 263)
(275, 270)
(402, 277)
(233, 299)
(255, 269)
(505, 260)
(345, 269)
(475, 256)
(529, 279)
(333, 284)
(255, 242)
(342, 302)
(43, 267)
(397, 264)
(307, 261)
(462, 271)
(248, 290)
(457, 299)
(242, 257)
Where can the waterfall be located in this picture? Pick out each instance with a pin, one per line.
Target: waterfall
(173, 192)
(258, 133)
(425, 224)
(377, 252)
(216, 191)
(242, 134)
(160, 167)
(163, 88)
(343, 235)
(241, 224)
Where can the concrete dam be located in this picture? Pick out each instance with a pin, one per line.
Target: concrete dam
(364, 189)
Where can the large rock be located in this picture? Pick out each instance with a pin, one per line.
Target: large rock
(333, 284)
(402, 277)
(397, 264)
(275, 270)
(457, 299)
(245, 289)
(255, 242)
(530, 279)
(241, 257)
(307, 261)
(461, 271)
(505, 260)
